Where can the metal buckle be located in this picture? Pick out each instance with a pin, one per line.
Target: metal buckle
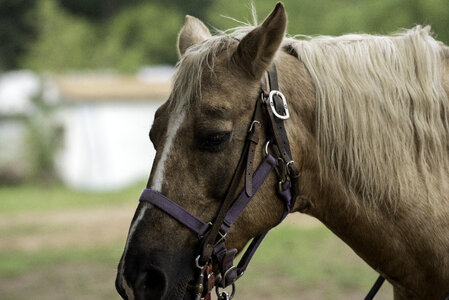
(222, 237)
(266, 148)
(223, 279)
(284, 103)
(281, 171)
(198, 264)
(224, 295)
(252, 125)
(199, 287)
(287, 166)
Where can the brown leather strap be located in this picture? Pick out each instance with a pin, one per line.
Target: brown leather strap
(280, 134)
(278, 128)
(265, 85)
(245, 164)
(253, 138)
(249, 147)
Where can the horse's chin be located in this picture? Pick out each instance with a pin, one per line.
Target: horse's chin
(184, 295)
(188, 296)
(187, 292)
(181, 292)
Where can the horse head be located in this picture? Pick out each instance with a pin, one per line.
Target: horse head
(199, 134)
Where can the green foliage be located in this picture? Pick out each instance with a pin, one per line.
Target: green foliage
(104, 10)
(16, 30)
(334, 17)
(64, 42)
(140, 35)
(196, 8)
(61, 35)
(96, 10)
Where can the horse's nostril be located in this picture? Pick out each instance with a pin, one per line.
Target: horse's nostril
(151, 284)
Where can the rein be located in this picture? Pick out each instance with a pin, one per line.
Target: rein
(270, 112)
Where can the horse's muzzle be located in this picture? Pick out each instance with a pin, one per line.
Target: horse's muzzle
(154, 275)
(150, 284)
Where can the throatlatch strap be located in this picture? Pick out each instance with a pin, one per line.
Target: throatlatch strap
(251, 250)
(377, 285)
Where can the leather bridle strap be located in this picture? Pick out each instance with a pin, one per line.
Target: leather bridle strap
(375, 288)
(253, 139)
(209, 240)
(280, 133)
(378, 284)
(174, 210)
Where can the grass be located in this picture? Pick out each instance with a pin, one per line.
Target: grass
(311, 257)
(17, 263)
(30, 229)
(31, 197)
(307, 255)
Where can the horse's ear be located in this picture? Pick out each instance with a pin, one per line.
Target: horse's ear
(193, 32)
(257, 49)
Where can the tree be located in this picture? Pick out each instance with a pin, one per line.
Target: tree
(16, 30)
(96, 10)
(141, 35)
(101, 10)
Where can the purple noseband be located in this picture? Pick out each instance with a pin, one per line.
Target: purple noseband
(200, 227)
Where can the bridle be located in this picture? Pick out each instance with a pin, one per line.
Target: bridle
(270, 112)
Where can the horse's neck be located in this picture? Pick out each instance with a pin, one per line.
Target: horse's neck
(393, 244)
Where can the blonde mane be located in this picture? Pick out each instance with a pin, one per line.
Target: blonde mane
(189, 70)
(382, 112)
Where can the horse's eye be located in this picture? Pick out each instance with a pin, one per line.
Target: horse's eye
(214, 142)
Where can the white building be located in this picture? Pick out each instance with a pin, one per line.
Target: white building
(16, 90)
(106, 119)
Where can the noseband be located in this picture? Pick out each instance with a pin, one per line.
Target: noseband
(270, 112)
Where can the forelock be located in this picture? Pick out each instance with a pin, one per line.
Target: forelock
(198, 59)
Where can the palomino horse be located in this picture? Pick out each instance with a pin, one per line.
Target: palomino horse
(368, 132)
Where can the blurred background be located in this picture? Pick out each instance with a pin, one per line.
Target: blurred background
(80, 81)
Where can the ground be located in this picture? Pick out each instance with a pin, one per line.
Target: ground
(71, 252)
